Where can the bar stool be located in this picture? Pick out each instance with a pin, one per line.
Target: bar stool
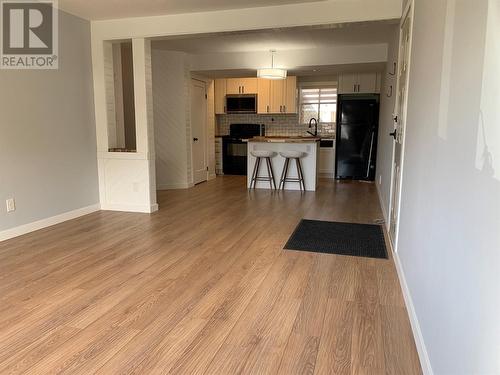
(284, 175)
(267, 155)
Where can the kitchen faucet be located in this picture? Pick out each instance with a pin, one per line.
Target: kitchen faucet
(315, 126)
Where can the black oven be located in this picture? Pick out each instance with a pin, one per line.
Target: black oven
(241, 103)
(234, 147)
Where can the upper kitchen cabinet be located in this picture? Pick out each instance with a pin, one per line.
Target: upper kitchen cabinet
(235, 86)
(277, 96)
(355, 83)
(291, 95)
(263, 96)
(220, 96)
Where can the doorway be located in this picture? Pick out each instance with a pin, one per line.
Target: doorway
(199, 130)
(400, 122)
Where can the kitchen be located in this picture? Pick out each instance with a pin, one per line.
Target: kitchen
(282, 115)
(234, 95)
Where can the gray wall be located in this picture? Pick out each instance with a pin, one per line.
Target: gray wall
(449, 243)
(386, 125)
(47, 133)
(171, 110)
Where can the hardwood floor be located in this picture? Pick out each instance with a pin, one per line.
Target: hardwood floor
(203, 287)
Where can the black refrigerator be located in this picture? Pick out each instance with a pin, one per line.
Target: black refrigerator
(357, 129)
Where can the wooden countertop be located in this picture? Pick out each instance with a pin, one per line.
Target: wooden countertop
(282, 139)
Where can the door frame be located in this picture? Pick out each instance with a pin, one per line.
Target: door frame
(205, 140)
(407, 13)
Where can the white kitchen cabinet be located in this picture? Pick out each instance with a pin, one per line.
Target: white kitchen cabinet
(348, 83)
(359, 83)
(218, 156)
(327, 161)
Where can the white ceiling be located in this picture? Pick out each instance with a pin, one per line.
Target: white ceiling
(281, 39)
(110, 9)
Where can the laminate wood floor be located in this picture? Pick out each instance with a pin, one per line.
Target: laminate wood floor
(203, 287)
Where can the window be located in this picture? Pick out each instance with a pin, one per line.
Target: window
(318, 102)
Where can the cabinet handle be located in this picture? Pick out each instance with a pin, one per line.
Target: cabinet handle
(284, 108)
(359, 87)
(354, 88)
(268, 108)
(242, 89)
(239, 89)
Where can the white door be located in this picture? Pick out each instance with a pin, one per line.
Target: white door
(400, 123)
(199, 130)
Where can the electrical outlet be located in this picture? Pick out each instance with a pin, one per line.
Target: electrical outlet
(11, 204)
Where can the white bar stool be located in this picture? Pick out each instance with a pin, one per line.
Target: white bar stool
(267, 155)
(284, 174)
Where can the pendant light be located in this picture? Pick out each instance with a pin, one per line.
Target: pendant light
(272, 73)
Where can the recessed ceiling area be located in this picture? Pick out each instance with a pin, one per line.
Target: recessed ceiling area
(325, 50)
(111, 9)
(281, 39)
(303, 71)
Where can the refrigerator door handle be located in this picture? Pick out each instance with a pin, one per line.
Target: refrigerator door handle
(370, 156)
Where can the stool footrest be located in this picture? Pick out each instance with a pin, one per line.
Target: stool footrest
(284, 174)
(255, 175)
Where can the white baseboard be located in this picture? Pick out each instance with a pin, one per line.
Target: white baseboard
(383, 208)
(327, 175)
(130, 207)
(47, 222)
(180, 185)
(211, 176)
(415, 326)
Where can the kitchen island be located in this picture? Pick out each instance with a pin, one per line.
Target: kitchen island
(308, 145)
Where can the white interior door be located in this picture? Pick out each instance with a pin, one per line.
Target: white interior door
(199, 130)
(400, 124)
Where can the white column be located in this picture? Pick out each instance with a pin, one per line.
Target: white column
(126, 179)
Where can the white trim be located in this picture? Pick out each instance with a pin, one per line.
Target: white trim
(125, 155)
(327, 175)
(382, 207)
(180, 185)
(130, 207)
(409, 11)
(211, 176)
(47, 222)
(425, 362)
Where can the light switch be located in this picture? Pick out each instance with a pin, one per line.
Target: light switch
(11, 204)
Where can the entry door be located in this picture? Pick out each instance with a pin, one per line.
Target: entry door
(199, 130)
(400, 124)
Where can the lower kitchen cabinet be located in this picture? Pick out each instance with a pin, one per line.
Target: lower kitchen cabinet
(327, 161)
(218, 156)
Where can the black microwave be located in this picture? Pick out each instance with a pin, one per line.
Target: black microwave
(241, 103)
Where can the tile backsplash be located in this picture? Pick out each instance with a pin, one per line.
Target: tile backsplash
(281, 125)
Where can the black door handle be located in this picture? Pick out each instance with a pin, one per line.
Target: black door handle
(394, 134)
(195, 139)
